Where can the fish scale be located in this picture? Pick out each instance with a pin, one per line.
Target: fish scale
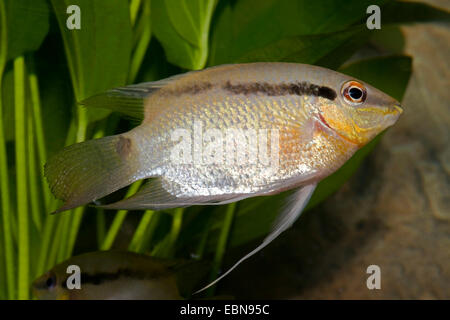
(240, 115)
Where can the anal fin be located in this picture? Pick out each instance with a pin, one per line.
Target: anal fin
(154, 196)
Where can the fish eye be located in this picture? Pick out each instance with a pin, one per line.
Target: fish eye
(50, 283)
(354, 93)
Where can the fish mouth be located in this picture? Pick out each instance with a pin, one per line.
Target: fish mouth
(398, 108)
(392, 117)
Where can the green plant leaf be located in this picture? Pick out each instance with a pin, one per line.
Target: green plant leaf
(56, 93)
(302, 49)
(182, 27)
(245, 26)
(248, 25)
(396, 12)
(99, 53)
(346, 49)
(24, 25)
(155, 66)
(142, 32)
(8, 102)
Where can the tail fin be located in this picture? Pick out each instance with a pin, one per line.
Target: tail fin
(86, 171)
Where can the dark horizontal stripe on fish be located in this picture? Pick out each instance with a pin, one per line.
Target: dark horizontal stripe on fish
(190, 89)
(102, 277)
(281, 89)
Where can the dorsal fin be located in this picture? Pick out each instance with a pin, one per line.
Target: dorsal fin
(129, 100)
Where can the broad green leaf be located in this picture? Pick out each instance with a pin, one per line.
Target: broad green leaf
(396, 12)
(302, 49)
(142, 33)
(99, 53)
(155, 66)
(55, 92)
(254, 216)
(182, 27)
(345, 50)
(23, 26)
(248, 25)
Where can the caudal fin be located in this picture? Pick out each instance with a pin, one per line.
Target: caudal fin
(87, 171)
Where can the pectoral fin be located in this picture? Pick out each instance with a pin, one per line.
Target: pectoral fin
(294, 207)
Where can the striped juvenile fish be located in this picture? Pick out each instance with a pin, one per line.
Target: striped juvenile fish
(120, 275)
(224, 134)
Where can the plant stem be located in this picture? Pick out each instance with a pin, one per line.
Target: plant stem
(53, 252)
(65, 225)
(3, 288)
(148, 236)
(202, 244)
(8, 241)
(39, 132)
(21, 172)
(47, 233)
(177, 220)
(77, 217)
(140, 234)
(33, 183)
(134, 9)
(201, 62)
(100, 226)
(82, 125)
(222, 243)
(144, 34)
(118, 220)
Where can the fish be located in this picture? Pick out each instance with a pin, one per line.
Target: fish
(224, 134)
(121, 275)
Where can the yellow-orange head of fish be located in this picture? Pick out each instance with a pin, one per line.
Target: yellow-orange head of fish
(359, 111)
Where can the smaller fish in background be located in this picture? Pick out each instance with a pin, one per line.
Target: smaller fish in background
(117, 275)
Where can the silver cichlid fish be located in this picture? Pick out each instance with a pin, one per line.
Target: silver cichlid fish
(224, 134)
(118, 275)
